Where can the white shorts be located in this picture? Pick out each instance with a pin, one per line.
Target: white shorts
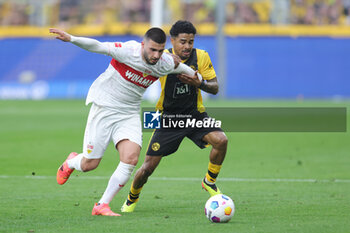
(105, 125)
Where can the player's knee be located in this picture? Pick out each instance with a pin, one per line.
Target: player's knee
(134, 161)
(221, 141)
(131, 158)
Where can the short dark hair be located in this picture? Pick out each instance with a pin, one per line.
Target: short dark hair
(156, 34)
(182, 26)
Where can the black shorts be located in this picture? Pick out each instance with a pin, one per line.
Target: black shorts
(166, 141)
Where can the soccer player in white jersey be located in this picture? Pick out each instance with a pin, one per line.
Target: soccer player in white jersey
(115, 111)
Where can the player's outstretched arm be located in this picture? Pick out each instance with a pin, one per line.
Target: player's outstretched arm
(88, 44)
(61, 35)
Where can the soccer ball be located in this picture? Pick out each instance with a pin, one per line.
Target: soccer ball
(219, 208)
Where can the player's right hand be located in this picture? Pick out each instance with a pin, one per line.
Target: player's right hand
(177, 59)
(61, 35)
(192, 80)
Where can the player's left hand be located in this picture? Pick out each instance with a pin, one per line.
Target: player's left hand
(192, 80)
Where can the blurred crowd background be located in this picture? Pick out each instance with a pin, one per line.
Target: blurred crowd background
(103, 12)
(266, 49)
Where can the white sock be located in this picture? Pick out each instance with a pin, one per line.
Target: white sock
(208, 182)
(75, 162)
(117, 181)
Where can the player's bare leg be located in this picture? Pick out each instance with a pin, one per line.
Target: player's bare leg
(75, 161)
(146, 170)
(141, 177)
(89, 164)
(219, 141)
(129, 153)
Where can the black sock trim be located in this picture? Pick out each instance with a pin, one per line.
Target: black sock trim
(212, 175)
(128, 202)
(133, 197)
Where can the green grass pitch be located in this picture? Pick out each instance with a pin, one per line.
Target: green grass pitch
(280, 182)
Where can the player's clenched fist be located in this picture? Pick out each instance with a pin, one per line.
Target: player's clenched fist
(61, 35)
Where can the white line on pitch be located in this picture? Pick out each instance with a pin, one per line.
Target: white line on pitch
(196, 179)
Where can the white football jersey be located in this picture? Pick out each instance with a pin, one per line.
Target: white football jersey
(125, 80)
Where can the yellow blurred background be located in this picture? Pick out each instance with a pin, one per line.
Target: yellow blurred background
(117, 17)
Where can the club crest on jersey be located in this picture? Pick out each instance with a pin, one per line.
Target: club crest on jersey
(89, 148)
(148, 72)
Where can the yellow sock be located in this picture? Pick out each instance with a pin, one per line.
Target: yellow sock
(134, 193)
(213, 171)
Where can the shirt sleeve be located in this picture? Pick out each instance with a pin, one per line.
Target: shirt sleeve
(167, 63)
(91, 45)
(118, 50)
(205, 66)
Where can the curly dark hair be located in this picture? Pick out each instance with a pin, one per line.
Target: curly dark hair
(182, 26)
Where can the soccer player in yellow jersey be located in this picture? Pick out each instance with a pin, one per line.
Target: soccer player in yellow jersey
(181, 95)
